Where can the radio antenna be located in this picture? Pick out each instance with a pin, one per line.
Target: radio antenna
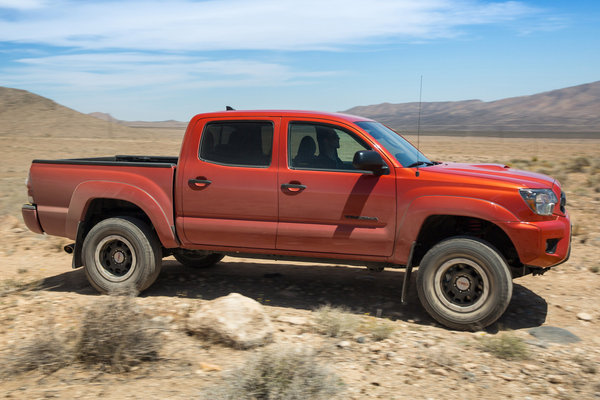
(419, 125)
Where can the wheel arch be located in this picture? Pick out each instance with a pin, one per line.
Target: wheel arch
(93, 201)
(437, 228)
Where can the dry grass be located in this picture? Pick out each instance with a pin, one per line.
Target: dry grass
(279, 373)
(46, 352)
(335, 321)
(505, 346)
(116, 336)
(379, 329)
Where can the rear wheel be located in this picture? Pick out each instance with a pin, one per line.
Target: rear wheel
(464, 283)
(121, 255)
(197, 258)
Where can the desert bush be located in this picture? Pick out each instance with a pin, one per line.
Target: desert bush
(45, 351)
(335, 321)
(505, 346)
(9, 286)
(278, 373)
(577, 164)
(379, 330)
(116, 336)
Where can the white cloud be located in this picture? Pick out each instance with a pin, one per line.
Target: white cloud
(118, 71)
(22, 4)
(241, 24)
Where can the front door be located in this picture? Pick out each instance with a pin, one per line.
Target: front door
(228, 187)
(325, 204)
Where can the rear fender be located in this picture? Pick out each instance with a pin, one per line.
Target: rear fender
(158, 209)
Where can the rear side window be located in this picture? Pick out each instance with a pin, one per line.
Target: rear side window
(241, 143)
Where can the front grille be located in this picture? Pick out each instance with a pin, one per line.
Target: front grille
(563, 202)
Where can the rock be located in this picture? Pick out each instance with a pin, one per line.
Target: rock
(235, 320)
(440, 372)
(162, 319)
(552, 334)
(507, 377)
(206, 367)
(555, 379)
(584, 316)
(344, 344)
(361, 339)
(293, 320)
(470, 366)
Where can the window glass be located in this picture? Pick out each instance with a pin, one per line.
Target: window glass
(245, 143)
(405, 153)
(318, 146)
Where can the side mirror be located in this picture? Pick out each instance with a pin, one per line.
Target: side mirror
(370, 160)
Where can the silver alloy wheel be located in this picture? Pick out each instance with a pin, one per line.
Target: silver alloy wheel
(461, 285)
(115, 258)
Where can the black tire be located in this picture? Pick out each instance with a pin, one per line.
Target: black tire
(464, 283)
(121, 255)
(197, 259)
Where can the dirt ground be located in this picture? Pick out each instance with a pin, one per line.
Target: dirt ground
(418, 360)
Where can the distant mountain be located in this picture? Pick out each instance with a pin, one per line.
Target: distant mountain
(170, 124)
(571, 110)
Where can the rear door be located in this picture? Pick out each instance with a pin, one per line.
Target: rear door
(228, 184)
(325, 204)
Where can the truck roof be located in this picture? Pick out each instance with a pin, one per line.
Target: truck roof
(281, 113)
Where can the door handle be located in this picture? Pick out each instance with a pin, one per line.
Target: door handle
(199, 183)
(293, 187)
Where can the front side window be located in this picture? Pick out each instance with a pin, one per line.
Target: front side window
(240, 143)
(319, 146)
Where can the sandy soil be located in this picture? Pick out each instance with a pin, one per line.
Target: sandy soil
(419, 360)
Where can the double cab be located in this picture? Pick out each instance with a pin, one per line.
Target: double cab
(306, 186)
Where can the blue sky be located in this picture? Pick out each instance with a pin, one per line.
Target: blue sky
(158, 60)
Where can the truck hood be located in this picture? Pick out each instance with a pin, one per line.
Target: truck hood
(495, 172)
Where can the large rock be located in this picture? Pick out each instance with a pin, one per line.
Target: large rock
(234, 320)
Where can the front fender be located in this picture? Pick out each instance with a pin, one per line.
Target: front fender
(158, 208)
(412, 219)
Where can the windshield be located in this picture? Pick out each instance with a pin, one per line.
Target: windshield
(405, 153)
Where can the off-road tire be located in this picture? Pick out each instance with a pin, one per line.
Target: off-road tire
(464, 283)
(121, 255)
(197, 259)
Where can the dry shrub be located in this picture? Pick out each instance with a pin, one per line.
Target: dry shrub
(505, 346)
(279, 373)
(379, 330)
(45, 351)
(577, 164)
(116, 336)
(335, 321)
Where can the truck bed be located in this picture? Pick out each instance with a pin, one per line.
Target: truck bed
(63, 190)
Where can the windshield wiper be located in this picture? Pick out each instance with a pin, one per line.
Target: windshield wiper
(419, 163)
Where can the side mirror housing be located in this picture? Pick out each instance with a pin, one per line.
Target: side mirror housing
(370, 160)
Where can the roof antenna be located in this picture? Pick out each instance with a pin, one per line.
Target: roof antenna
(229, 108)
(419, 126)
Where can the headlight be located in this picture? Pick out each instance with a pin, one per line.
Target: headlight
(541, 201)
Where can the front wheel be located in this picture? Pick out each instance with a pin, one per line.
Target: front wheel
(464, 283)
(121, 255)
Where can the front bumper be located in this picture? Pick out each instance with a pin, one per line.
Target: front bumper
(30, 216)
(541, 244)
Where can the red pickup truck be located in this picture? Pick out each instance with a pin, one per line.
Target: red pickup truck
(306, 186)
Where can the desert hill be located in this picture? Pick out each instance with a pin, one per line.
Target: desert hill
(23, 113)
(568, 110)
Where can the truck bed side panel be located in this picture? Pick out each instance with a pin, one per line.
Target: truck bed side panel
(63, 191)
